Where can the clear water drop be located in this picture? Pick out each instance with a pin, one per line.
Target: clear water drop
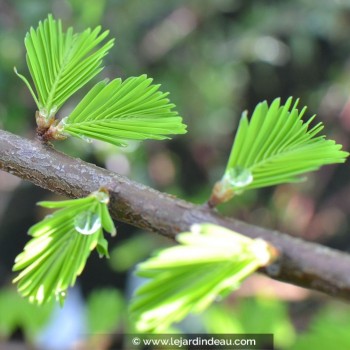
(239, 177)
(87, 222)
(61, 296)
(102, 196)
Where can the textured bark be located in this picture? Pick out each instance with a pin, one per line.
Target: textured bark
(301, 263)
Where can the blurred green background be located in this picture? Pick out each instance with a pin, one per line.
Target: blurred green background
(216, 58)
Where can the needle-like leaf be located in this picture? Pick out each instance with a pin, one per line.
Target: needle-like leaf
(60, 62)
(274, 147)
(209, 262)
(61, 244)
(123, 110)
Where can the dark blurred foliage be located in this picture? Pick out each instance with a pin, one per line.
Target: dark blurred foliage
(216, 58)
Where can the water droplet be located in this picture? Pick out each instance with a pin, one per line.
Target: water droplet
(239, 177)
(87, 222)
(101, 196)
(61, 296)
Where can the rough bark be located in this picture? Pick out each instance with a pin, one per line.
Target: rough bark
(301, 263)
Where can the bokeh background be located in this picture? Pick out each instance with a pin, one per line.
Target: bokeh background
(217, 59)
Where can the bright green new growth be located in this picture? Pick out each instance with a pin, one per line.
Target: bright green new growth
(118, 111)
(61, 244)
(210, 261)
(61, 63)
(276, 146)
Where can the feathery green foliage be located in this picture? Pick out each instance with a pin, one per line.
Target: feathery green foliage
(118, 111)
(275, 147)
(60, 62)
(210, 261)
(60, 246)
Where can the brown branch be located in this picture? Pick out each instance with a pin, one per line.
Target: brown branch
(302, 263)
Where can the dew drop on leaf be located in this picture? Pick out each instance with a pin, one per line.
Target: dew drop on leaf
(102, 196)
(87, 222)
(60, 296)
(239, 177)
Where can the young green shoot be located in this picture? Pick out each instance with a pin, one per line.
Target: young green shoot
(274, 147)
(61, 244)
(210, 262)
(60, 63)
(114, 112)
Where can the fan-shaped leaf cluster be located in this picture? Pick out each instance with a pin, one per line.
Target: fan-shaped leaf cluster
(276, 146)
(61, 244)
(210, 261)
(123, 110)
(60, 62)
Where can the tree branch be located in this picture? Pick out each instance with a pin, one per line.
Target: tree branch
(302, 263)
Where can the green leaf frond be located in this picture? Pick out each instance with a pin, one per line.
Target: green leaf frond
(276, 146)
(60, 62)
(209, 262)
(114, 112)
(61, 244)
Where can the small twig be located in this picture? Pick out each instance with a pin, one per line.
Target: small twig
(302, 263)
